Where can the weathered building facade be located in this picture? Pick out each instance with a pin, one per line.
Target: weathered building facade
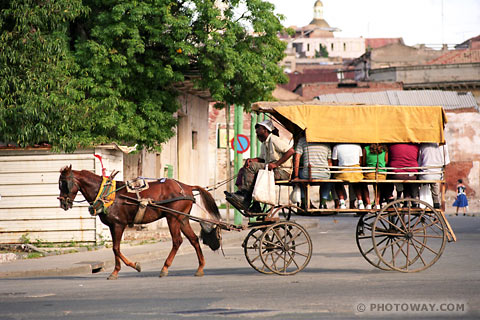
(29, 209)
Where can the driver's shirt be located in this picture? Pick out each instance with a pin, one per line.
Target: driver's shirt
(273, 148)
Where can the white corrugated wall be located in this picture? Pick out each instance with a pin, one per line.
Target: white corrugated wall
(29, 208)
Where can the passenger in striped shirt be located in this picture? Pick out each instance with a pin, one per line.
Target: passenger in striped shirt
(314, 158)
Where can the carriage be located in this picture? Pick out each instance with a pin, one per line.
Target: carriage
(406, 235)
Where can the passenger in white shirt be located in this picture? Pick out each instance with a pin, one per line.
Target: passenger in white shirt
(431, 154)
(349, 156)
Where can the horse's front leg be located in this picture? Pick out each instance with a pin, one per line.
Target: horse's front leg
(192, 237)
(117, 231)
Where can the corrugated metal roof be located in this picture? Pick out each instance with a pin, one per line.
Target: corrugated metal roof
(449, 100)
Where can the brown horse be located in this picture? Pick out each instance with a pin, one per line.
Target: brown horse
(122, 212)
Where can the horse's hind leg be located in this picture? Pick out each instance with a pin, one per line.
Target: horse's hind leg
(174, 227)
(192, 237)
(117, 232)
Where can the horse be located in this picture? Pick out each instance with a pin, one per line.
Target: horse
(173, 195)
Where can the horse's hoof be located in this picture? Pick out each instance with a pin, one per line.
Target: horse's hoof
(163, 273)
(199, 273)
(112, 277)
(138, 267)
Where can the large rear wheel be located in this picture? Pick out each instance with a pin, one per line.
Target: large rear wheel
(409, 235)
(364, 241)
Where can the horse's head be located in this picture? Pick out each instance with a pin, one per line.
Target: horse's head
(68, 188)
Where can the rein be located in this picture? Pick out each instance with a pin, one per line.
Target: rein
(219, 184)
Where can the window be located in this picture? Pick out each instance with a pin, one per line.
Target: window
(344, 46)
(331, 46)
(194, 140)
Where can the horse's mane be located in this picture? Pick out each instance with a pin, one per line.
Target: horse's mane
(87, 173)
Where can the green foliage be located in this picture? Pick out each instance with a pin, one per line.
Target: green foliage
(323, 53)
(25, 238)
(76, 73)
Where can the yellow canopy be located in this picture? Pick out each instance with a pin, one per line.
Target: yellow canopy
(359, 123)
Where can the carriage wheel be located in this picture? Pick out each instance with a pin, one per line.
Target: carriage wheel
(286, 248)
(251, 248)
(408, 238)
(364, 241)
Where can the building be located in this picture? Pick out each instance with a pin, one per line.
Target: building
(317, 39)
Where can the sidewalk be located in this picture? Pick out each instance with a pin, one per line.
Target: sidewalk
(95, 261)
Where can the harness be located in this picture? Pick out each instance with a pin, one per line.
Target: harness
(105, 197)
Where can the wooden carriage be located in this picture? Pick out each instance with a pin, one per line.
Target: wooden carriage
(406, 235)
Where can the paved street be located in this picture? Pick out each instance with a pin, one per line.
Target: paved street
(337, 283)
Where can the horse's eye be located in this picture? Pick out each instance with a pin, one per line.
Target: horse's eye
(62, 185)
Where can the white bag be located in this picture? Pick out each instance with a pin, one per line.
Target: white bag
(426, 195)
(264, 190)
(296, 195)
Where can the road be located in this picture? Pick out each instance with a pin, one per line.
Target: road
(337, 283)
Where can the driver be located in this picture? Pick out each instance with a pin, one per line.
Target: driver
(274, 152)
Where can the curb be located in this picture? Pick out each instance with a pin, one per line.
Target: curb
(106, 260)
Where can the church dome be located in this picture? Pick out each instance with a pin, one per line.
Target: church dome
(322, 28)
(318, 15)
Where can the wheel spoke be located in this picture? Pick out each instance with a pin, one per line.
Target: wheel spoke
(393, 225)
(419, 254)
(389, 234)
(389, 245)
(401, 219)
(419, 218)
(425, 246)
(372, 248)
(424, 227)
(429, 236)
(400, 249)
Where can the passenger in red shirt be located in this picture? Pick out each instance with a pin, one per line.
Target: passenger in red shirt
(403, 155)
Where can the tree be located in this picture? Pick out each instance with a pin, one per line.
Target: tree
(323, 53)
(76, 73)
(38, 90)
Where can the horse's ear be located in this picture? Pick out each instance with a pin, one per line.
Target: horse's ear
(70, 168)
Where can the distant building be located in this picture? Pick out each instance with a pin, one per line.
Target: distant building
(317, 38)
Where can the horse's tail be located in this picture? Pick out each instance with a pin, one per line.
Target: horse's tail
(210, 233)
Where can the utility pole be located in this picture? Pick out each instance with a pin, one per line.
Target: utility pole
(238, 129)
(229, 169)
(253, 136)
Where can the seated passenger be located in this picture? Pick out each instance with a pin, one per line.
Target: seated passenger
(314, 156)
(431, 154)
(275, 153)
(374, 155)
(400, 156)
(349, 156)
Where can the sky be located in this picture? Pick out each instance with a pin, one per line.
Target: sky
(417, 21)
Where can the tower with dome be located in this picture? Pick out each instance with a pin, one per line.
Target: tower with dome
(307, 41)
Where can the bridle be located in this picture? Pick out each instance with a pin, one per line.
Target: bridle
(67, 184)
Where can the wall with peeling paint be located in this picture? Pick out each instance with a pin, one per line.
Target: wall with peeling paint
(462, 133)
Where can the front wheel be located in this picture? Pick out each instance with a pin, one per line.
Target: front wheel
(286, 248)
(251, 249)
